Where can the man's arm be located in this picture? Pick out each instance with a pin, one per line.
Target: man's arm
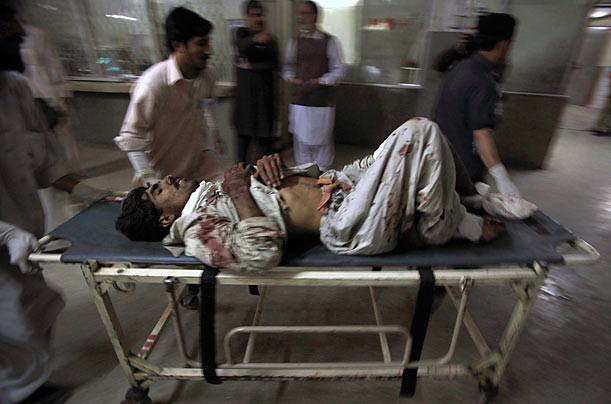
(250, 243)
(486, 147)
(136, 134)
(336, 66)
(289, 69)
(236, 185)
(482, 120)
(209, 114)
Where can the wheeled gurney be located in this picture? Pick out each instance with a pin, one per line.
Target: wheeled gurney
(520, 258)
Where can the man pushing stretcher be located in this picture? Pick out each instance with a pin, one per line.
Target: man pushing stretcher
(409, 184)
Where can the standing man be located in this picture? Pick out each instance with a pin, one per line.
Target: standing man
(28, 161)
(172, 107)
(255, 103)
(467, 110)
(313, 65)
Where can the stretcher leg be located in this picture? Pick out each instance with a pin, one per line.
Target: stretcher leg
(378, 316)
(170, 288)
(527, 293)
(255, 322)
(476, 335)
(490, 370)
(99, 292)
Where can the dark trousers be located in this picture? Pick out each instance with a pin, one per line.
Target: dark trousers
(250, 148)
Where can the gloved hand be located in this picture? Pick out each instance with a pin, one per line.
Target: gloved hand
(87, 194)
(503, 183)
(20, 244)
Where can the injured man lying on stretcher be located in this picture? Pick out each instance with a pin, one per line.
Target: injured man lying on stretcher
(411, 183)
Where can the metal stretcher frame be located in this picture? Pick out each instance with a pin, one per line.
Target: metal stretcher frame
(525, 280)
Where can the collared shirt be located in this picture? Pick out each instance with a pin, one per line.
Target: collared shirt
(165, 118)
(467, 102)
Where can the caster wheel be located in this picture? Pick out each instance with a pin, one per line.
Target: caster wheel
(137, 396)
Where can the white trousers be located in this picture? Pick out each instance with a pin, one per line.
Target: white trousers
(28, 309)
(321, 154)
(408, 181)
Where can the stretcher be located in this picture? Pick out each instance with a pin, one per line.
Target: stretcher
(519, 259)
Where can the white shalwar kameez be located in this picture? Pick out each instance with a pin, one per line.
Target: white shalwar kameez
(28, 307)
(313, 126)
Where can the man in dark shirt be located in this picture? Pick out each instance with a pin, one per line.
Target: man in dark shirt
(255, 104)
(466, 110)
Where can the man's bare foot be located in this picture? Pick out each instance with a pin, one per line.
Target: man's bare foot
(491, 229)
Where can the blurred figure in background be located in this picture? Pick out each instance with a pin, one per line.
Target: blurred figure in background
(50, 89)
(255, 103)
(313, 65)
(603, 126)
(171, 112)
(28, 161)
(468, 109)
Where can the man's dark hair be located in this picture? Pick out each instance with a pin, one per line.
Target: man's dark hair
(254, 5)
(139, 219)
(183, 24)
(312, 5)
(494, 28)
(11, 35)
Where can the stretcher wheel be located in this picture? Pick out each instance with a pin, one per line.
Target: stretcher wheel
(137, 396)
(488, 395)
(484, 399)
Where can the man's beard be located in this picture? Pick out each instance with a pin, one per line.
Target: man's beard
(11, 61)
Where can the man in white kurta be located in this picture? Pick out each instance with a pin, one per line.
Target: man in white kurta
(28, 307)
(313, 66)
(171, 110)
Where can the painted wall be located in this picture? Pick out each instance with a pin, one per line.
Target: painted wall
(548, 35)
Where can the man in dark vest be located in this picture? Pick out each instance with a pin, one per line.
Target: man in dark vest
(313, 65)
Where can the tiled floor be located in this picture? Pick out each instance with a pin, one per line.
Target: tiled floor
(562, 356)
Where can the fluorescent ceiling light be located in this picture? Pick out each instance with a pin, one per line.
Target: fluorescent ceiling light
(46, 6)
(337, 3)
(598, 27)
(121, 17)
(599, 13)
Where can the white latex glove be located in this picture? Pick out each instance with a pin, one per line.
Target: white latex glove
(20, 244)
(503, 184)
(84, 193)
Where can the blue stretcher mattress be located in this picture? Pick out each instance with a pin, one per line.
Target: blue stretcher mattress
(94, 237)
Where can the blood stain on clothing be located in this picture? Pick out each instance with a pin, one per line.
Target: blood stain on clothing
(407, 148)
(221, 254)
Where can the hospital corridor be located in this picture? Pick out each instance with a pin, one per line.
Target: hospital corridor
(287, 201)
